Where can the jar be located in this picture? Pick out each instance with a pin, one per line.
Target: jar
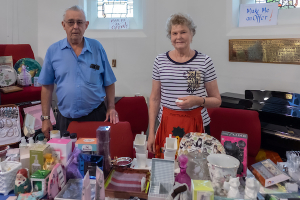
(197, 167)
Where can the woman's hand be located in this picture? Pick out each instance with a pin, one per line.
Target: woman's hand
(190, 101)
(151, 143)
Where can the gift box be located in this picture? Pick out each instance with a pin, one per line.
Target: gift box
(202, 190)
(87, 145)
(40, 180)
(37, 159)
(267, 173)
(62, 148)
(162, 179)
(235, 145)
(88, 162)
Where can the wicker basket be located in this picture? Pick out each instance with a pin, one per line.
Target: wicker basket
(7, 179)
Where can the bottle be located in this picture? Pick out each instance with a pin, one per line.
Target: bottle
(36, 165)
(23, 143)
(30, 142)
(40, 138)
(183, 177)
(73, 137)
(66, 135)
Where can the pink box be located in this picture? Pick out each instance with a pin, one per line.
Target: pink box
(235, 145)
(62, 148)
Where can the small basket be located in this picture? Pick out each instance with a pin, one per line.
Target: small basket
(7, 179)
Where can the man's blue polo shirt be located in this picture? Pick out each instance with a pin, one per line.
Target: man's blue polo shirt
(80, 89)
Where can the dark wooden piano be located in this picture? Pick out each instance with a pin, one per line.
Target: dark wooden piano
(279, 114)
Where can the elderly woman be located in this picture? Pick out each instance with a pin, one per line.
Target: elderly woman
(184, 84)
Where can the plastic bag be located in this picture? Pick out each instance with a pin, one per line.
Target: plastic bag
(72, 171)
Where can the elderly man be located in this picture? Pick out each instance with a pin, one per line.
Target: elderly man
(80, 69)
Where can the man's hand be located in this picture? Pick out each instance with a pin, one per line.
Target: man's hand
(47, 127)
(151, 143)
(112, 115)
(189, 101)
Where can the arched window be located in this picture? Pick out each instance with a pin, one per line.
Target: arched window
(115, 8)
(282, 4)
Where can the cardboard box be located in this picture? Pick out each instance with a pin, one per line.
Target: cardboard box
(37, 159)
(236, 144)
(202, 189)
(40, 180)
(62, 148)
(87, 145)
(267, 173)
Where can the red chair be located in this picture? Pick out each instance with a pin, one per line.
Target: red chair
(121, 138)
(135, 111)
(239, 121)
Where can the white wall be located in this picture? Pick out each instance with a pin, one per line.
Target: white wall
(136, 50)
(19, 22)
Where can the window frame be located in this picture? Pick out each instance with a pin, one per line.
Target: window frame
(91, 10)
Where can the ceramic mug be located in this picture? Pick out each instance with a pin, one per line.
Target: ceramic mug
(221, 167)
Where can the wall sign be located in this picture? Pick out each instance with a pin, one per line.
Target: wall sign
(119, 23)
(261, 14)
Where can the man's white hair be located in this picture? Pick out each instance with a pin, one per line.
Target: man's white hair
(74, 8)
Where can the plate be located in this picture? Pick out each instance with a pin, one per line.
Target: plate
(32, 66)
(8, 75)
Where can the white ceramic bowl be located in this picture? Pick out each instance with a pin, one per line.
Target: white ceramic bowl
(223, 161)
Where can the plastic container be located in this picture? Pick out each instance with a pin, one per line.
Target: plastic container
(73, 137)
(197, 167)
(30, 142)
(66, 135)
(55, 134)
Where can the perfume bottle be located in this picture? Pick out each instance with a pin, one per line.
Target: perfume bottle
(183, 177)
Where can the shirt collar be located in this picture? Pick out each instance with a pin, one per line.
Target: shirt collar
(66, 44)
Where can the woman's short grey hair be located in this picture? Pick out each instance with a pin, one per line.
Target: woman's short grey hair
(180, 19)
(74, 8)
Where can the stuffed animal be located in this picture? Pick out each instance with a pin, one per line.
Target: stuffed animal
(233, 188)
(22, 182)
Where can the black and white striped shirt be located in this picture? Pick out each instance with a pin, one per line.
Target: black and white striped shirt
(183, 79)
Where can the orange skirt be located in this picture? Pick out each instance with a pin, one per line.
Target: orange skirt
(177, 123)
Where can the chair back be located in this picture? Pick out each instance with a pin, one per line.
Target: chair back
(121, 138)
(238, 121)
(135, 111)
(17, 51)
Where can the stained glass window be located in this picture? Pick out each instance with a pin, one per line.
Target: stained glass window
(115, 8)
(282, 4)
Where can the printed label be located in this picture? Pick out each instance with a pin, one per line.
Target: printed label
(87, 148)
(88, 140)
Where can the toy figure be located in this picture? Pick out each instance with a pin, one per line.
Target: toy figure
(251, 189)
(233, 188)
(22, 182)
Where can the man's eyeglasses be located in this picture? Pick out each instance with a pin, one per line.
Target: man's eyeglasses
(72, 23)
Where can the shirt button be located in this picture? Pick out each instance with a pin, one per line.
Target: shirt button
(77, 85)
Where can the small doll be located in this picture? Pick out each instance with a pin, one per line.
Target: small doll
(22, 182)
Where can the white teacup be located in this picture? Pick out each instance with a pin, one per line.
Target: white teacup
(221, 167)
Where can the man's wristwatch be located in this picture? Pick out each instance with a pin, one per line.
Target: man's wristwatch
(44, 117)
